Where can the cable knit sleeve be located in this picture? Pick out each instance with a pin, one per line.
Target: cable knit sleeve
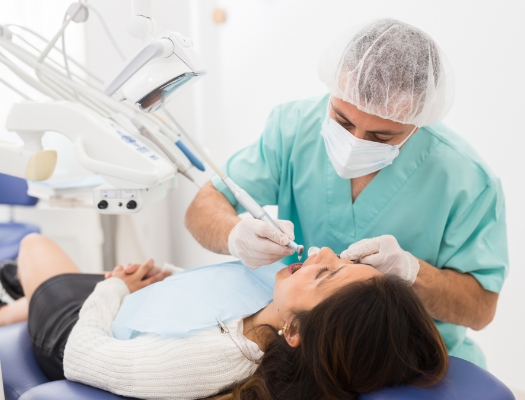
(149, 366)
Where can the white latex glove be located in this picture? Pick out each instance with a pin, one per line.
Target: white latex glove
(257, 243)
(384, 254)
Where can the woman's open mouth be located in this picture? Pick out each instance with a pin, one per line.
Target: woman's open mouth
(293, 268)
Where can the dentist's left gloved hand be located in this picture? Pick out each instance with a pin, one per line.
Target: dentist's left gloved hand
(384, 254)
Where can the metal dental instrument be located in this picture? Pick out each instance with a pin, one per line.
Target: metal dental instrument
(240, 194)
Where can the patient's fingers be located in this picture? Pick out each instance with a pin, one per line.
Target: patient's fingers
(155, 278)
(131, 268)
(118, 268)
(145, 268)
(153, 271)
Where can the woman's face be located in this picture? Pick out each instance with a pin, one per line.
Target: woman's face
(304, 286)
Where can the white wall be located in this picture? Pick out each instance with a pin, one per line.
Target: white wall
(44, 17)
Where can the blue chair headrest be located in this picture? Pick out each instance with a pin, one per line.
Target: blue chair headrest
(13, 191)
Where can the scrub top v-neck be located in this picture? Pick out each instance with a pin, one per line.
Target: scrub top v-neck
(438, 198)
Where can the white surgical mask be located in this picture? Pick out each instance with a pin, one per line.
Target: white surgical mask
(353, 157)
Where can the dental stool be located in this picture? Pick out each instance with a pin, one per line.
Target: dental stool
(13, 191)
(24, 380)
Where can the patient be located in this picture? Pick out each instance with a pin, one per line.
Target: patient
(333, 330)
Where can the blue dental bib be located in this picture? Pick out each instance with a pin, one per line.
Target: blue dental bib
(194, 299)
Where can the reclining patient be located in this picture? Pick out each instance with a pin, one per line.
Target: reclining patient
(333, 329)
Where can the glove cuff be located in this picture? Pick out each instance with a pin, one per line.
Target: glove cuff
(413, 268)
(231, 241)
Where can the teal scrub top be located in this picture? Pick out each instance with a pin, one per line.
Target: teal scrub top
(438, 199)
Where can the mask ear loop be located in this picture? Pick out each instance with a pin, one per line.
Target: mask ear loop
(408, 137)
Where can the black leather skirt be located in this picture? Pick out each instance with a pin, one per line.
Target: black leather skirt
(53, 312)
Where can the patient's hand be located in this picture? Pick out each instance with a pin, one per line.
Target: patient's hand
(141, 276)
(131, 268)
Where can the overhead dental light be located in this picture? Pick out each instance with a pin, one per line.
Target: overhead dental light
(156, 72)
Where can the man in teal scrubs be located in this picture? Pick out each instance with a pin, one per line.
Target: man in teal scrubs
(370, 172)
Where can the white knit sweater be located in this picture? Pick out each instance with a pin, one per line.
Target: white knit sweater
(152, 366)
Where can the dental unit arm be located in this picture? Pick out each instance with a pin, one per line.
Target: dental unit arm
(137, 174)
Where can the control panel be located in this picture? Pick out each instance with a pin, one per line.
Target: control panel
(112, 200)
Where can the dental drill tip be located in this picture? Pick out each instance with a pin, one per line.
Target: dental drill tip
(300, 250)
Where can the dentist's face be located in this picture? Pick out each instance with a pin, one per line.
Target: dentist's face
(302, 287)
(367, 126)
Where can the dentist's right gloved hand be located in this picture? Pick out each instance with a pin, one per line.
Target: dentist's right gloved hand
(257, 243)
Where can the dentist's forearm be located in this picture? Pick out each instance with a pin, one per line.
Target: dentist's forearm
(210, 219)
(454, 297)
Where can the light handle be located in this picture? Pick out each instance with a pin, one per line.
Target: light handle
(159, 48)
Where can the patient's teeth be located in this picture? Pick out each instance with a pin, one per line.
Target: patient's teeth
(296, 268)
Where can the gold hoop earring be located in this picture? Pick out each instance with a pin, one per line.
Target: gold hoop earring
(283, 330)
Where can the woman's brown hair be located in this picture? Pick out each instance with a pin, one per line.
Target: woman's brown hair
(367, 335)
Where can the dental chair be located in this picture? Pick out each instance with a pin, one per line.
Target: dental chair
(13, 191)
(24, 380)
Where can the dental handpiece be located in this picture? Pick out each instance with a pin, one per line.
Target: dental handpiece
(257, 211)
(241, 195)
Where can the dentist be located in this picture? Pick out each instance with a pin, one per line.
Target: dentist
(370, 172)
